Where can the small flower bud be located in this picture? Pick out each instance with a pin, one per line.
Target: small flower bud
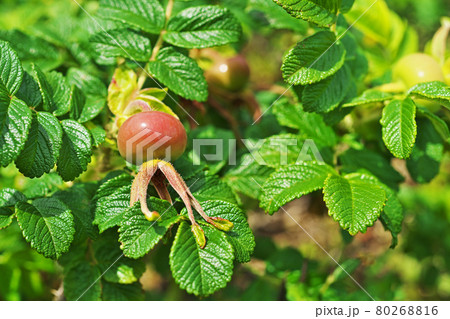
(151, 216)
(199, 235)
(221, 223)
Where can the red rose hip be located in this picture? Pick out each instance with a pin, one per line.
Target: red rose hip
(151, 135)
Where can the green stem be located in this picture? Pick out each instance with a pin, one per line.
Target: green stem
(158, 44)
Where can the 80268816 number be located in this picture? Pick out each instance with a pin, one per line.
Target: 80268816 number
(407, 310)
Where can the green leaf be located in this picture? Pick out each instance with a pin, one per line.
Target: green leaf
(138, 235)
(246, 179)
(338, 114)
(111, 209)
(110, 185)
(146, 15)
(47, 225)
(124, 271)
(15, 120)
(11, 71)
(98, 135)
(354, 201)
(43, 186)
(82, 282)
(428, 151)
(351, 93)
(180, 73)
(75, 255)
(241, 236)
(114, 266)
(121, 43)
(435, 90)
(326, 95)
(209, 186)
(92, 108)
(6, 217)
(197, 155)
(78, 198)
(61, 93)
(286, 259)
(112, 200)
(392, 215)
(29, 91)
(353, 160)
(293, 181)
(313, 59)
(359, 65)
(309, 124)
(346, 5)
(203, 27)
(286, 149)
(84, 108)
(75, 153)
(76, 102)
(399, 127)
(369, 96)
(32, 49)
(86, 82)
(8, 198)
(277, 17)
(118, 292)
(320, 12)
(45, 89)
(439, 124)
(209, 269)
(185, 167)
(54, 90)
(41, 150)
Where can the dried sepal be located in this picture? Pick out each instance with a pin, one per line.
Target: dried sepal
(155, 171)
(140, 186)
(158, 181)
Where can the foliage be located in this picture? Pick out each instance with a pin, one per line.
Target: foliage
(334, 134)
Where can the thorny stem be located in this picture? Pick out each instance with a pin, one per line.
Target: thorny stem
(158, 44)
